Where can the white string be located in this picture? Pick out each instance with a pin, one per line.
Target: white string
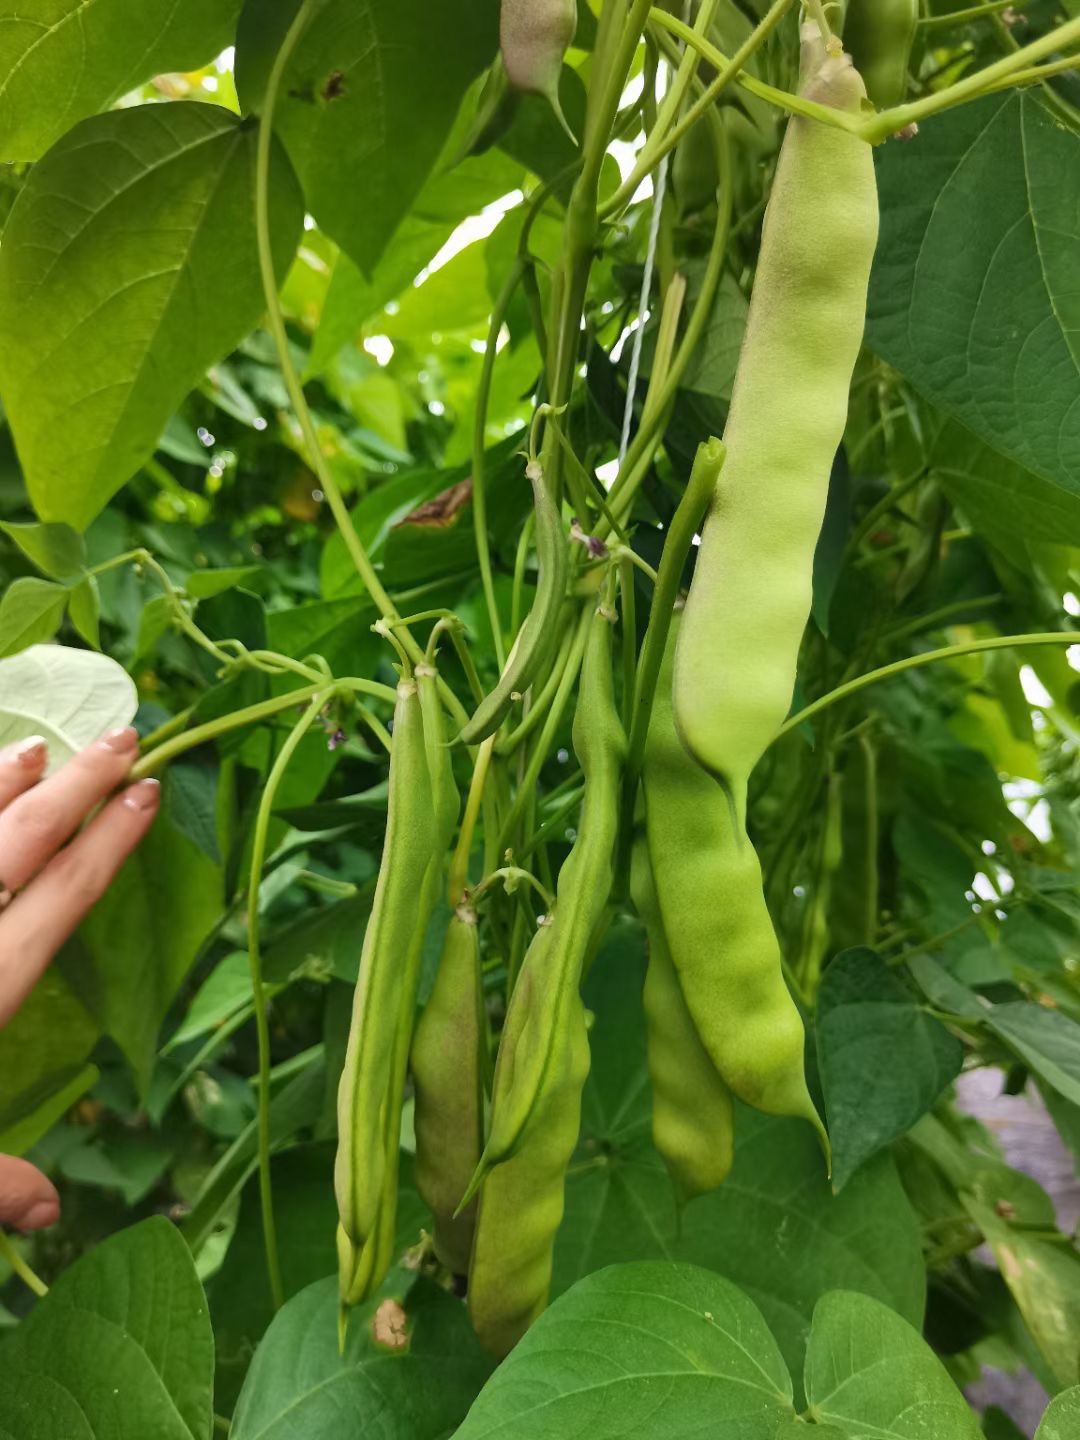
(643, 301)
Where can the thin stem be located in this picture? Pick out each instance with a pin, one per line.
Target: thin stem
(961, 17)
(166, 730)
(479, 499)
(316, 458)
(531, 774)
(929, 657)
(639, 455)
(19, 1267)
(1037, 73)
(548, 826)
(513, 876)
(666, 138)
(458, 877)
(794, 104)
(259, 995)
(685, 523)
(936, 618)
(888, 122)
(251, 715)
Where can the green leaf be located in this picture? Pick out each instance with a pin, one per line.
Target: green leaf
(104, 326)
(120, 1349)
(300, 1384)
(1045, 1039)
(972, 292)
(42, 1048)
(205, 583)
(873, 1376)
(883, 1060)
(226, 990)
(306, 1211)
(140, 940)
(365, 105)
(190, 795)
(56, 550)
(60, 62)
(84, 610)
(647, 1350)
(31, 612)
(24, 1134)
(1062, 1418)
(445, 200)
(1044, 1279)
(71, 697)
(774, 1228)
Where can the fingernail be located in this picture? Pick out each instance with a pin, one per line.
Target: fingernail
(121, 741)
(29, 753)
(143, 796)
(43, 1213)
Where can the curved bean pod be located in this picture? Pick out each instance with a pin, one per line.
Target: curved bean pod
(692, 1111)
(713, 912)
(448, 1078)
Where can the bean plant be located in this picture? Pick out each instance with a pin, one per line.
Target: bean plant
(581, 502)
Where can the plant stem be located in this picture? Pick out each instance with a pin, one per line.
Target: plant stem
(259, 996)
(19, 1267)
(960, 17)
(667, 134)
(794, 104)
(888, 122)
(316, 458)
(458, 877)
(483, 392)
(913, 662)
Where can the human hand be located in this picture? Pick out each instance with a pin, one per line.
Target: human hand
(48, 885)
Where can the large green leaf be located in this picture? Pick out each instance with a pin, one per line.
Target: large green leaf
(108, 317)
(883, 1060)
(973, 295)
(774, 1228)
(366, 102)
(43, 1049)
(647, 1350)
(301, 1384)
(1045, 1039)
(61, 61)
(140, 940)
(31, 612)
(120, 1349)
(874, 1377)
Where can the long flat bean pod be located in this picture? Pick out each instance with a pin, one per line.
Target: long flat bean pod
(735, 669)
(692, 1110)
(713, 912)
(556, 955)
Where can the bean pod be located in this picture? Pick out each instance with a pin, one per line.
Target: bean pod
(449, 1091)
(713, 913)
(879, 35)
(748, 604)
(534, 35)
(692, 1111)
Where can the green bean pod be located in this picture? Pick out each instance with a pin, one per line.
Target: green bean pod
(449, 1090)
(692, 1111)
(522, 1199)
(408, 850)
(713, 912)
(879, 34)
(750, 597)
(556, 955)
(539, 634)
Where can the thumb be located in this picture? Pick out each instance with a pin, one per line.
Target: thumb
(28, 1201)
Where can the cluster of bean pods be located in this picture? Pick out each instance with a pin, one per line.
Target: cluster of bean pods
(493, 1145)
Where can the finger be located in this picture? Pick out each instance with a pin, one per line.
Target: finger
(36, 824)
(27, 1199)
(40, 919)
(21, 765)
